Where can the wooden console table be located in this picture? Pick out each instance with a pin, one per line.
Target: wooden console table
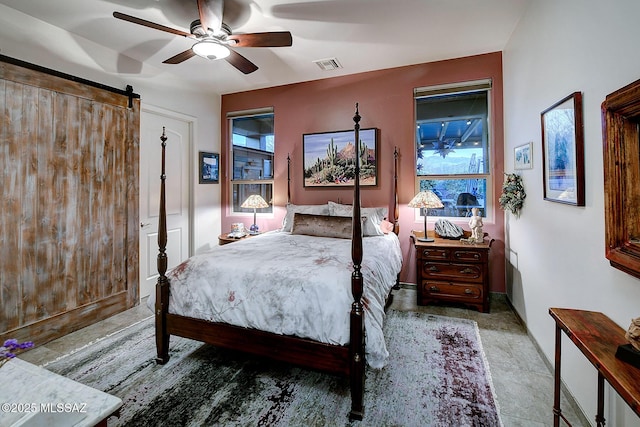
(598, 338)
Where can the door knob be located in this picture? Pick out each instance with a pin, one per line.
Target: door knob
(144, 224)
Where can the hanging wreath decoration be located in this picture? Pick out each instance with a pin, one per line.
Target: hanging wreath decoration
(513, 193)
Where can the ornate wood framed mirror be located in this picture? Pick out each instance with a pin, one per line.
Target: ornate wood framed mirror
(621, 144)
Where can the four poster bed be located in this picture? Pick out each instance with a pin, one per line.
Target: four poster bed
(300, 308)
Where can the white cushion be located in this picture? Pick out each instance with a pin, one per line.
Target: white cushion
(374, 217)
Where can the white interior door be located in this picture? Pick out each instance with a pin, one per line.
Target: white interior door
(178, 133)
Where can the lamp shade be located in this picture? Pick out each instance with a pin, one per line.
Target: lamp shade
(254, 201)
(426, 199)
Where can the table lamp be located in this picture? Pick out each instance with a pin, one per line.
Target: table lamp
(427, 200)
(256, 202)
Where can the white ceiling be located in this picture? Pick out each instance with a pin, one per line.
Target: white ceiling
(363, 35)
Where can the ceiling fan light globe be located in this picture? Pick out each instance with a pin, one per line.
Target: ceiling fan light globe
(210, 49)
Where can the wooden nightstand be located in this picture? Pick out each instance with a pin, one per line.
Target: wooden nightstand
(453, 271)
(223, 239)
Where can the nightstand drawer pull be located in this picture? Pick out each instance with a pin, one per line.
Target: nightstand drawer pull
(468, 291)
(434, 253)
(467, 271)
(468, 255)
(433, 268)
(434, 289)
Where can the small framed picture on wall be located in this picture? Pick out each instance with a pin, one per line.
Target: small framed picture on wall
(523, 156)
(209, 168)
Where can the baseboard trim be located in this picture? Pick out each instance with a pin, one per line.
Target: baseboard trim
(406, 285)
(570, 399)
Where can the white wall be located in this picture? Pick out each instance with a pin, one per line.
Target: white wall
(557, 250)
(34, 41)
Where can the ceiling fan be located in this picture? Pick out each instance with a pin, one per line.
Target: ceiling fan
(214, 38)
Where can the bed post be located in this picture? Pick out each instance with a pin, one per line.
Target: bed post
(356, 347)
(162, 286)
(288, 179)
(396, 214)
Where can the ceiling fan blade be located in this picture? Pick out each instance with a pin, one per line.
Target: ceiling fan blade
(269, 39)
(210, 14)
(241, 63)
(181, 57)
(150, 24)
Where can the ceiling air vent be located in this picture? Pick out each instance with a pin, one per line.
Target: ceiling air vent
(328, 64)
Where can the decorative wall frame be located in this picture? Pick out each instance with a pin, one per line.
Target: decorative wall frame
(209, 168)
(563, 151)
(621, 146)
(328, 158)
(523, 156)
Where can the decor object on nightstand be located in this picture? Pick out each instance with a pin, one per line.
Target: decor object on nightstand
(513, 193)
(630, 353)
(475, 223)
(448, 230)
(254, 202)
(237, 230)
(427, 200)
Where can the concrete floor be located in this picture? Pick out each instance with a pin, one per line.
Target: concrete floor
(522, 380)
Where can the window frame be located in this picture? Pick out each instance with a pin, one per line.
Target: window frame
(484, 85)
(231, 116)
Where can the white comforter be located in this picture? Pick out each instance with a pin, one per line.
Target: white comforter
(291, 285)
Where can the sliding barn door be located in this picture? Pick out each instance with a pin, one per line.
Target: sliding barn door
(69, 204)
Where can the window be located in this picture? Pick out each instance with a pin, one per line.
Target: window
(452, 147)
(252, 150)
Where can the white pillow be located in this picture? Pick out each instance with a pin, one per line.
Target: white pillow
(374, 217)
(287, 222)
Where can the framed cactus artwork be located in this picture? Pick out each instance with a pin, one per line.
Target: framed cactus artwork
(329, 158)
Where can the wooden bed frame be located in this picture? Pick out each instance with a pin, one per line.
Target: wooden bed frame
(347, 360)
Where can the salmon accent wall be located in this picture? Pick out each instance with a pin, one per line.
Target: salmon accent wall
(386, 102)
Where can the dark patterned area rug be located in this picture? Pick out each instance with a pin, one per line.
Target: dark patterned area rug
(436, 376)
